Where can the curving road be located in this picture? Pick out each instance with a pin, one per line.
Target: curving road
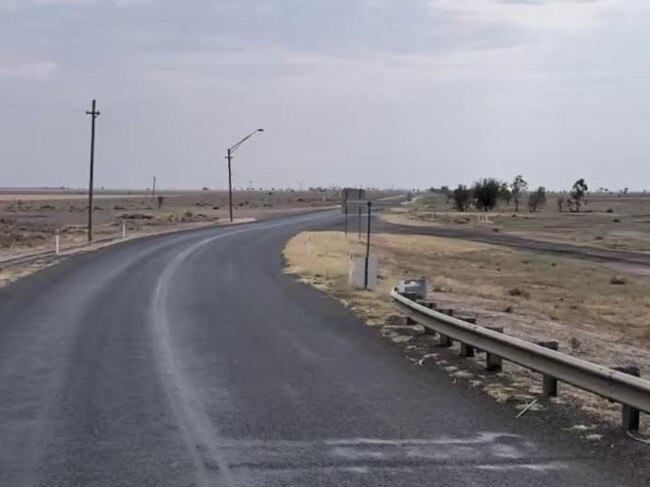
(192, 360)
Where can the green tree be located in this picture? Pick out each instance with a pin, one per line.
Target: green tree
(537, 199)
(486, 193)
(505, 194)
(577, 195)
(462, 197)
(518, 188)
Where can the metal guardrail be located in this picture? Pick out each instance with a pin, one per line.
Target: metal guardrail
(632, 392)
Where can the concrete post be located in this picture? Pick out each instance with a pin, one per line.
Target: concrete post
(549, 384)
(630, 416)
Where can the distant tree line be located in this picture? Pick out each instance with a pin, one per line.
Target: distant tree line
(486, 193)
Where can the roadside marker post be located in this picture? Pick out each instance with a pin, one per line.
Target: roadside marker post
(123, 230)
(57, 249)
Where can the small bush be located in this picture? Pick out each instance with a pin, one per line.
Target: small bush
(617, 280)
(574, 344)
(518, 292)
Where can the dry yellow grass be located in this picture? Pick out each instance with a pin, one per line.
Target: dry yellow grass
(321, 258)
(575, 293)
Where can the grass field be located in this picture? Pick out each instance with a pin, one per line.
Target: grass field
(30, 219)
(606, 221)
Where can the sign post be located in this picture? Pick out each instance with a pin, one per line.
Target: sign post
(367, 245)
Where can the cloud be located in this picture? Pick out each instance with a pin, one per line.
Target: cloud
(449, 88)
(542, 15)
(20, 69)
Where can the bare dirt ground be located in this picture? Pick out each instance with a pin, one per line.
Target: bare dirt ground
(29, 219)
(533, 296)
(616, 222)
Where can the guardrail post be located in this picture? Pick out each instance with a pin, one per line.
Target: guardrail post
(465, 349)
(494, 363)
(630, 416)
(549, 383)
(429, 304)
(444, 340)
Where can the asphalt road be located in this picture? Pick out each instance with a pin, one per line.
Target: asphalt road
(192, 360)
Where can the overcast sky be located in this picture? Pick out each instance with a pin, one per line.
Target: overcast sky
(410, 93)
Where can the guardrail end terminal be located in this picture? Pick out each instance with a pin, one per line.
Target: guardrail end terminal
(631, 417)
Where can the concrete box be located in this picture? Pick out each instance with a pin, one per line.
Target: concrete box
(356, 272)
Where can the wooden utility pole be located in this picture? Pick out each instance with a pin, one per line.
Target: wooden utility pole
(94, 113)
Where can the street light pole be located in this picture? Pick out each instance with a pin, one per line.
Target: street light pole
(231, 150)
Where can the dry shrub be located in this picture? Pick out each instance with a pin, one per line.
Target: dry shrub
(617, 280)
(519, 292)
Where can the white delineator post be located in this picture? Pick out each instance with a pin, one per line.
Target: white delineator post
(123, 230)
(57, 249)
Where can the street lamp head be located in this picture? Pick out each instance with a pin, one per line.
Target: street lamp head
(260, 130)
